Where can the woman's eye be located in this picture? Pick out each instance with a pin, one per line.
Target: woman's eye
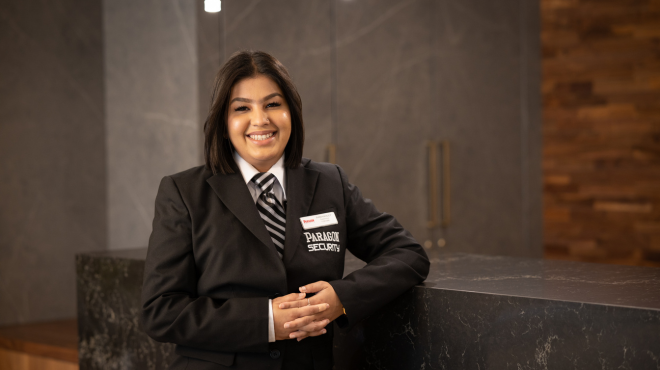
(273, 105)
(241, 108)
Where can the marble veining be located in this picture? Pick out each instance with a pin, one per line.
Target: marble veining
(468, 330)
(546, 279)
(474, 312)
(110, 334)
(492, 312)
(153, 125)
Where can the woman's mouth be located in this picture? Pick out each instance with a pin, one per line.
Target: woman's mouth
(261, 137)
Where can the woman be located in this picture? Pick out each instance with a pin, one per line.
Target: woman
(247, 252)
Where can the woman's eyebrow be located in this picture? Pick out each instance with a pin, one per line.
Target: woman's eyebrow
(245, 100)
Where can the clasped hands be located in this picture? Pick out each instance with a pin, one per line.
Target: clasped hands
(296, 316)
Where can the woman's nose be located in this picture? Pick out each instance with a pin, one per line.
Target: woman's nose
(259, 117)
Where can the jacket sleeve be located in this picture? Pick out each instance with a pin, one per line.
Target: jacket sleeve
(395, 261)
(171, 309)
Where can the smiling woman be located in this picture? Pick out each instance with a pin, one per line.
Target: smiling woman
(247, 252)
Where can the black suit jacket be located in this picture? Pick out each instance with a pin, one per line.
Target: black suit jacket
(211, 265)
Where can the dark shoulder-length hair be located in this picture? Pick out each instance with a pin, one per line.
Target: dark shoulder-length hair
(245, 64)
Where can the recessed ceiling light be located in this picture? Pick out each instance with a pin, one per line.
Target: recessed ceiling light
(212, 6)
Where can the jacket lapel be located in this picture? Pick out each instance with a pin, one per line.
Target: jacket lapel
(233, 192)
(300, 188)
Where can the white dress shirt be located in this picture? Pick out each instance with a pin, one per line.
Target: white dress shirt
(248, 171)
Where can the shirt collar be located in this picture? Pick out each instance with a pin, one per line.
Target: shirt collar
(248, 171)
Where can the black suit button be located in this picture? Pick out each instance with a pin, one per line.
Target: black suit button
(275, 354)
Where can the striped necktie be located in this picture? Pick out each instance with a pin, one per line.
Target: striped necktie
(270, 209)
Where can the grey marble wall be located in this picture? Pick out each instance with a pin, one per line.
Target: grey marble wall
(153, 124)
(385, 103)
(209, 58)
(52, 153)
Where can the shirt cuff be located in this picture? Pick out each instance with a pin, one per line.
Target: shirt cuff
(271, 322)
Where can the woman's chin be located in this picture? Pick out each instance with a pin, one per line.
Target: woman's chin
(263, 158)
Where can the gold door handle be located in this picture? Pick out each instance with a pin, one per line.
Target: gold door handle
(331, 152)
(446, 184)
(432, 151)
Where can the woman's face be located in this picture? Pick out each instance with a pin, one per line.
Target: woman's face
(258, 121)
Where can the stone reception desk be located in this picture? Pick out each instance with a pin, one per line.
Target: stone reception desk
(473, 312)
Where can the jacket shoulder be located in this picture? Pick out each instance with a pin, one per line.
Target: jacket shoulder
(330, 175)
(192, 173)
(322, 167)
(191, 179)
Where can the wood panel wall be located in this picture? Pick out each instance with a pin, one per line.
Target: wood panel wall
(14, 360)
(40, 346)
(601, 130)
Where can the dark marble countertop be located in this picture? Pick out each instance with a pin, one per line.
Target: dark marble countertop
(612, 285)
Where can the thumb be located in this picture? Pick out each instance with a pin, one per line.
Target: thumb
(314, 287)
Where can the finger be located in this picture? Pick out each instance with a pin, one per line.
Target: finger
(318, 298)
(289, 297)
(314, 287)
(314, 334)
(317, 333)
(305, 316)
(313, 309)
(315, 326)
(301, 334)
(295, 304)
(298, 323)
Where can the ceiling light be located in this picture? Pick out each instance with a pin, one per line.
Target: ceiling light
(212, 6)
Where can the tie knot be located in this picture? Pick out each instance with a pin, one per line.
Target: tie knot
(263, 180)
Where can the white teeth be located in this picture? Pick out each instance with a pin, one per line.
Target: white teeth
(261, 137)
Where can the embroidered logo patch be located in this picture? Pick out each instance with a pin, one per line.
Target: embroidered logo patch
(319, 241)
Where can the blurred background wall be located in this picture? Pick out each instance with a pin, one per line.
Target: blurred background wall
(99, 100)
(53, 159)
(380, 79)
(153, 123)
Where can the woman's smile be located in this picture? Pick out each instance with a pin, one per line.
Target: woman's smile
(261, 137)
